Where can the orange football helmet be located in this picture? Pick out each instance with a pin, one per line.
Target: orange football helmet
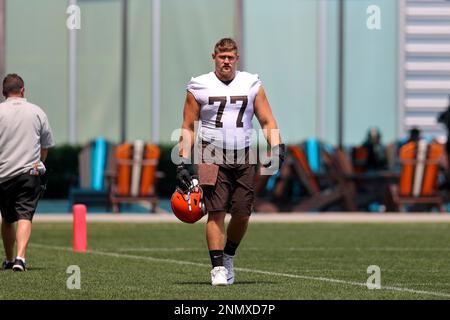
(188, 206)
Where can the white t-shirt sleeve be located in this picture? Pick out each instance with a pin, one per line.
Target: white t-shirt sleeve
(46, 134)
(256, 84)
(194, 86)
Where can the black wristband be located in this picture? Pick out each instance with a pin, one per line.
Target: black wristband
(279, 149)
(184, 161)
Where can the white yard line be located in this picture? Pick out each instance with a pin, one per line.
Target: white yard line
(255, 271)
(168, 249)
(368, 249)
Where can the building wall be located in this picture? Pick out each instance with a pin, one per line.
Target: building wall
(281, 46)
(36, 48)
(190, 29)
(281, 39)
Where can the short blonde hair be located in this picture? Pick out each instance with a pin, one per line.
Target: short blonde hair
(225, 45)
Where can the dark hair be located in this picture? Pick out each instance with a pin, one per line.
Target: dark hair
(414, 134)
(12, 83)
(225, 45)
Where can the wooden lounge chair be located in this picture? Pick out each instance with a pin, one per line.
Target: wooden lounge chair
(319, 191)
(93, 162)
(418, 184)
(135, 175)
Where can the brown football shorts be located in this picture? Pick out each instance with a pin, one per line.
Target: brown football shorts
(234, 189)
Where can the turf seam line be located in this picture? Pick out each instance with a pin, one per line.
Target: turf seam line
(287, 275)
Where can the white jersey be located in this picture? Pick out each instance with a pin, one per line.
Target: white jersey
(226, 111)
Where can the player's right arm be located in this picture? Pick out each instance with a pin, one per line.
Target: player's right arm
(44, 153)
(191, 114)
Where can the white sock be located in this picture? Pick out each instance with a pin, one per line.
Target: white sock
(20, 258)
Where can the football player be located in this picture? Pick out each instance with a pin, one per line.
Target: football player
(224, 102)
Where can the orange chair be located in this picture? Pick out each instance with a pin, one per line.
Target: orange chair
(135, 175)
(418, 182)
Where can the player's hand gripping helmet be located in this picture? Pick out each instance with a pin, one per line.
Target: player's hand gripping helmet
(188, 205)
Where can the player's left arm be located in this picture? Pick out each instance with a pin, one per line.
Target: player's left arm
(263, 113)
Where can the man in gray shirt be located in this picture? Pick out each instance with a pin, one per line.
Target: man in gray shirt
(25, 137)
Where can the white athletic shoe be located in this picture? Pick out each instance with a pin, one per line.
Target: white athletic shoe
(228, 264)
(219, 276)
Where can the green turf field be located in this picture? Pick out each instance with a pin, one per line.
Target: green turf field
(276, 261)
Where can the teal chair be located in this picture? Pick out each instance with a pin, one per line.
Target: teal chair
(94, 163)
(313, 149)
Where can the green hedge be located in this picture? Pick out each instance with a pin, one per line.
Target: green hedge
(62, 171)
(166, 186)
